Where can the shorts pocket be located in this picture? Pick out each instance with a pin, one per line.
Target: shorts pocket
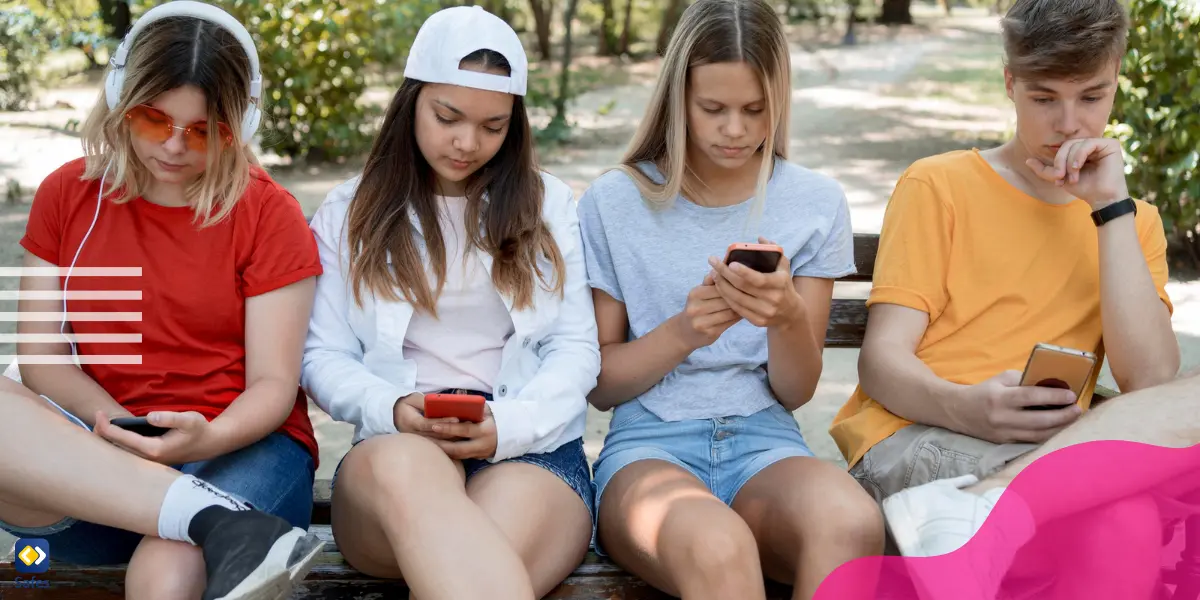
(627, 414)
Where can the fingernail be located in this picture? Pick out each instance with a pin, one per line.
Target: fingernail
(437, 428)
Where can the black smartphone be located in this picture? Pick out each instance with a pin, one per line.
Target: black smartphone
(139, 425)
(763, 258)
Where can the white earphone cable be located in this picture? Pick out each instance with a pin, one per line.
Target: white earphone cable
(62, 329)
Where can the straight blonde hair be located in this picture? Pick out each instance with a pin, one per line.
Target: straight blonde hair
(712, 31)
(168, 54)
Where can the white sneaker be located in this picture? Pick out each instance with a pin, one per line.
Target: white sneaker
(938, 519)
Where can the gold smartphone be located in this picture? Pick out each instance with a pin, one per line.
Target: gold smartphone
(1058, 367)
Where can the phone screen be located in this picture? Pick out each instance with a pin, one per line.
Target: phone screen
(761, 261)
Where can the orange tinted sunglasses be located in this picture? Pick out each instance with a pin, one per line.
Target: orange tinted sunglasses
(156, 126)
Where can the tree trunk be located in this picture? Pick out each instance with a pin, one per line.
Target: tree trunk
(607, 32)
(623, 43)
(946, 4)
(115, 14)
(896, 12)
(543, 12)
(564, 83)
(670, 18)
(850, 39)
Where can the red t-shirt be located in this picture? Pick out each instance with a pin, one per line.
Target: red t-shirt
(194, 283)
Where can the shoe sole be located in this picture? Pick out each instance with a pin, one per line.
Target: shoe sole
(270, 582)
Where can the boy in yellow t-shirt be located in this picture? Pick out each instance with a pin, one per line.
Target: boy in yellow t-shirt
(984, 254)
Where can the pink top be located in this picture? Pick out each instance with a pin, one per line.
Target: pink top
(461, 348)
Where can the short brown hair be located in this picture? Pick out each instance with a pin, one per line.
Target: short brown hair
(1063, 39)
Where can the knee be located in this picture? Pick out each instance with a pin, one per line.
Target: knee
(850, 519)
(395, 462)
(154, 576)
(722, 547)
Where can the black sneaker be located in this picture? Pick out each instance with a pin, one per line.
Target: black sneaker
(251, 555)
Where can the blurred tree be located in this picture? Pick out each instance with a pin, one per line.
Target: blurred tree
(670, 18)
(626, 25)
(896, 12)
(606, 33)
(1157, 119)
(543, 13)
(24, 42)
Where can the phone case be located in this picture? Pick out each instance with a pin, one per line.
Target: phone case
(1055, 366)
(464, 407)
(763, 258)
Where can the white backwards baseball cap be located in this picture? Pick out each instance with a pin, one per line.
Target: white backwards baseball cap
(451, 34)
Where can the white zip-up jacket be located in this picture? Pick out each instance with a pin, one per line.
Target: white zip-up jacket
(354, 364)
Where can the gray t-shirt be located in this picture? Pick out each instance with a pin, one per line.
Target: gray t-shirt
(650, 259)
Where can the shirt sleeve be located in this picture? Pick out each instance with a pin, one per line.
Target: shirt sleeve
(914, 249)
(601, 274)
(834, 258)
(1154, 248)
(44, 230)
(283, 251)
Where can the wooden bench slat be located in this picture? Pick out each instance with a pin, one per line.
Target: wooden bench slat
(865, 247)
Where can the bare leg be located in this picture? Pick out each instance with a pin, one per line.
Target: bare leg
(165, 570)
(1165, 416)
(809, 518)
(74, 474)
(663, 525)
(545, 521)
(400, 510)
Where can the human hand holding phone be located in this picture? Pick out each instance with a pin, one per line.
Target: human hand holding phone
(765, 299)
(999, 410)
(704, 318)
(408, 414)
(183, 437)
(469, 440)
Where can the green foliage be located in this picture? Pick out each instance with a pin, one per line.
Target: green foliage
(1157, 115)
(77, 24)
(23, 42)
(316, 59)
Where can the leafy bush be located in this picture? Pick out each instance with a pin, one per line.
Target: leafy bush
(23, 42)
(1157, 116)
(316, 58)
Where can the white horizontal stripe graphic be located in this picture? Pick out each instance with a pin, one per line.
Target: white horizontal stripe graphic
(71, 316)
(76, 272)
(67, 359)
(71, 295)
(85, 338)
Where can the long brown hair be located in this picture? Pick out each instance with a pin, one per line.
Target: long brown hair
(711, 31)
(398, 182)
(170, 53)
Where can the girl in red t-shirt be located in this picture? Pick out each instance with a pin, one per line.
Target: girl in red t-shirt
(186, 276)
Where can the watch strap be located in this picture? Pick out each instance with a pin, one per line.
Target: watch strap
(1113, 211)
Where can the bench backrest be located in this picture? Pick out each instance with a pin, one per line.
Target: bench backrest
(847, 326)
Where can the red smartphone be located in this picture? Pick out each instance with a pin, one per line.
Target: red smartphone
(464, 407)
(763, 258)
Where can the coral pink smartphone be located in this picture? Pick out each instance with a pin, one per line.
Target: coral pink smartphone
(763, 258)
(464, 407)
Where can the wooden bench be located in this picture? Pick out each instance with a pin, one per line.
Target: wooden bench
(596, 578)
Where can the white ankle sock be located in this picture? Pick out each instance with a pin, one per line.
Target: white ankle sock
(186, 497)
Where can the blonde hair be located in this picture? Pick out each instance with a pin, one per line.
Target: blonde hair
(712, 31)
(170, 53)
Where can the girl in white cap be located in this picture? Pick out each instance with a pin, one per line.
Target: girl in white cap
(184, 278)
(705, 482)
(453, 265)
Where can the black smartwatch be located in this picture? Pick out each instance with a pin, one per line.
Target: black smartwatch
(1113, 211)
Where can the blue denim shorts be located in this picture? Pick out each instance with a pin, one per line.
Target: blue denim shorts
(274, 475)
(724, 453)
(567, 462)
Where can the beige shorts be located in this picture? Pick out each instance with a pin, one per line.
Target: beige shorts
(919, 454)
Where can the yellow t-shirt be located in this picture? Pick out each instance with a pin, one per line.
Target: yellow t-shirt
(997, 270)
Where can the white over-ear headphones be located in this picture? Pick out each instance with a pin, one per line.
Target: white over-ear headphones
(199, 10)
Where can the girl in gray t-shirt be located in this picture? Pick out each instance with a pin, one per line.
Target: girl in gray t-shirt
(704, 465)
